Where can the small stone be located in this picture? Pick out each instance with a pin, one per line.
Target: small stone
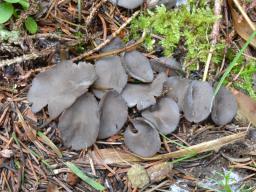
(138, 176)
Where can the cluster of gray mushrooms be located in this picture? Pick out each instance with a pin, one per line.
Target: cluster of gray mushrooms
(93, 100)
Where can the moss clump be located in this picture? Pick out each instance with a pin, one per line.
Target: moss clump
(245, 81)
(187, 26)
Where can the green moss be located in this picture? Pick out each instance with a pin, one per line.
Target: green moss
(184, 26)
(245, 81)
(245, 68)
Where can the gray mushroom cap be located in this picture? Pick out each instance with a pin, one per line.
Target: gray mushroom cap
(168, 3)
(163, 63)
(224, 107)
(137, 95)
(116, 43)
(111, 75)
(177, 88)
(113, 114)
(60, 86)
(145, 141)
(128, 4)
(165, 115)
(197, 101)
(142, 95)
(138, 66)
(79, 124)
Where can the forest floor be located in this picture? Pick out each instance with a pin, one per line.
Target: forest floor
(32, 154)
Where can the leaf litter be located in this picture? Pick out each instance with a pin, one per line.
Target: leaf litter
(158, 95)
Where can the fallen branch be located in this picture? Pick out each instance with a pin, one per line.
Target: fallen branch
(112, 156)
(117, 51)
(26, 57)
(214, 36)
(93, 12)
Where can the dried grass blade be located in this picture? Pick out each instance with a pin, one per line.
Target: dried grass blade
(112, 156)
(48, 142)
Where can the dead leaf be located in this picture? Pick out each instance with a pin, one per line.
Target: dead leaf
(79, 124)
(29, 114)
(246, 106)
(72, 179)
(138, 176)
(159, 171)
(240, 24)
(60, 86)
(52, 187)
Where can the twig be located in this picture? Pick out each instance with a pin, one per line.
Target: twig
(86, 54)
(214, 36)
(26, 57)
(108, 156)
(93, 12)
(117, 51)
(33, 8)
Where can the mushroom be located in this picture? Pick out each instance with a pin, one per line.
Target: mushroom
(224, 107)
(157, 85)
(163, 63)
(165, 115)
(197, 101)
(60, 86)
(113, 114)
(111, 75)
(128, 4)
(145, 140)
(137, 95)
(168, 3)
(177, 88)
(116, 43)
(143, 95)
(79, 124)
(138, 66)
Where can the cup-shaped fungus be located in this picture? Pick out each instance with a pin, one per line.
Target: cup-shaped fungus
(164, 115)
(161, 64)
(224, 107)
(116, 43)
(79, 124)
(113, 114)
(111, 75)
(143, 96)
(177, 87)
(60, 86)
(143, 138)
(138, 66)
(128, 4)
(198, 101)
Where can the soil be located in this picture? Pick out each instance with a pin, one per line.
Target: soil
(24, 156)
